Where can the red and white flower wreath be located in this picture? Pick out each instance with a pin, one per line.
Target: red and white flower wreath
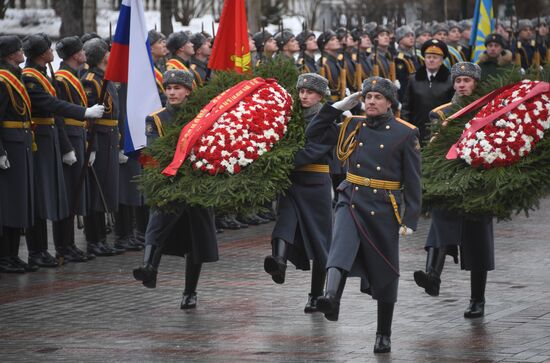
(245, 132)
(510, 137)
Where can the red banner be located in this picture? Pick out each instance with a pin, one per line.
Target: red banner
(206, 118)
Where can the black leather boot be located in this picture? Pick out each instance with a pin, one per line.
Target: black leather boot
(318, 274)
(275, 265)
(329, 304)
(192, 274)
(476, 308)
(147, 273)
(382, 343)
(430, 280)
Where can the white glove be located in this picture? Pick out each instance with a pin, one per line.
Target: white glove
(397, 84)
(348, 103)
(96, 111)
(122, 159)
(69, 158)
(405, 231)
(4, 162)
(92, 158)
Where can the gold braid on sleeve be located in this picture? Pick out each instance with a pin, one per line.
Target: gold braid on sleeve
(346, 145)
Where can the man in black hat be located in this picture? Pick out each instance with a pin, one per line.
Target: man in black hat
(429, 87)
(496, 58)
(266, 46)
(287, 43)
(105, 157)
(16, 156)
(351, 43)
(329, 65)
(308, 47)
(199, 61)
(159, 51)
(181, 50)
(54, 147)
(190, 231)
(381, 60)
(383, 154)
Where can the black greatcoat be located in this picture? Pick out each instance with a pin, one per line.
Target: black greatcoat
(16, 182)
(366, 230)
(106, 142)
(422, 96)
(52, 143)
(304, 210)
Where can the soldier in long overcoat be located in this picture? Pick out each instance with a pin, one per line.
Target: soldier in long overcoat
(187, 231)
(450, 234)
(52, 143)
(304, 211)
(16, 156)
(383, 156)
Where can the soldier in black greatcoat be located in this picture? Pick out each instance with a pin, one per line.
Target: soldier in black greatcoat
(199, 60)
(450, 233)
(304, 211)
(406, 62)
(104, 159)
(16, 156)
(330, 64)
(496, 58)
(383, 156)
(308, 47)
(527, 46)
(159, 51)
(189, 231)
(53, 146)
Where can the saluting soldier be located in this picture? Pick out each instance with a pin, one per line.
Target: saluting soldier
(70, 89)
(308, 47)
(329, 65)
(54, 148)
(304, 212)
(199, 61)
(159, 51)
(104, 158)
(383, 157)
(16, 156)
(190, 231)
(406, 62)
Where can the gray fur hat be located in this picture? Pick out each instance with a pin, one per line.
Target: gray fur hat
(283, 37)
(422, 29)
(466, 69)
(465, 24)
(314, 82)
(383, 86)
(402, 32)
(9, 44)
(154, 36)
(524, 24)
(198, 39)
(440, 27)
(87, 36)
(260, 38)
(95, 50)
(178, 76)
(454, 24)
(36, 44)
(303, 37)
(176, 40)
(68, 46)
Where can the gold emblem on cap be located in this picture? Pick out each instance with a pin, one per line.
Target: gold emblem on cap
(172, 75)
(305, 80)
(462, 67)
(373, 81)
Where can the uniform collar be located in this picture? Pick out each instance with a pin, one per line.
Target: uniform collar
(377, 121)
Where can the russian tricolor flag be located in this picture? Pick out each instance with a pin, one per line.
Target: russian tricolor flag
(130, 62)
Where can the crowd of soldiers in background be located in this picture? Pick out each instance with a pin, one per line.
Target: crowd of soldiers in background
(346, 57)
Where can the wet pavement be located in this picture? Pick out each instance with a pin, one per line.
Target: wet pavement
(97, 312)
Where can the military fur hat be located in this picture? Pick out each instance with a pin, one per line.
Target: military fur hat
(314, 82)
(465, 24)
(454, 24)
(36, 44)
(324, 38)
(341, 33)
(402, 32)
(283, 37)
(357, 33)
(68, 46)
(434, 46)
(379, 29)
(176, 40)
(383, 86)
(303, 37)
(155, 36)
(95, 50)
(260, 38)
(440, 27)
(9, 44)
(87, 36)
(369, 27)
(466, 69)
(495, 38)
(524, 24)
(198, 39)
(421, 30)
(178, 76)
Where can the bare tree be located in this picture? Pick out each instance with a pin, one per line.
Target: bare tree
(309, 9)
(70, 12)
(89, 15)
(186, 10)
(166, 10)
(4, 4)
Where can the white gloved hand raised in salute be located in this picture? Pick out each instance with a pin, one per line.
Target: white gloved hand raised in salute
(69, 158)
(348, 102)
(96, 111)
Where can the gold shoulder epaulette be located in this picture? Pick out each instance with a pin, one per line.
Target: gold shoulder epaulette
(354, 57)
(157, 112)
(519, 45)
(193, 66)
(401, 55)
(90, 77)
(340, 57)
(408, 124)
(439, 108)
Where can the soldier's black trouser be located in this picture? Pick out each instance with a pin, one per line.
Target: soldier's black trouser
(124, 221)
(63, 233)
(9, 241)
(94, 227)
(37, 236)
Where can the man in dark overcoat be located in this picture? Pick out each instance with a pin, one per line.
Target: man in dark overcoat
(304, 211)
(383, 156)
(450, 233)
(185, 231)
(52, 143)
(16, 156)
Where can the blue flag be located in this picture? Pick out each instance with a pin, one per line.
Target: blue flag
(482, 26)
